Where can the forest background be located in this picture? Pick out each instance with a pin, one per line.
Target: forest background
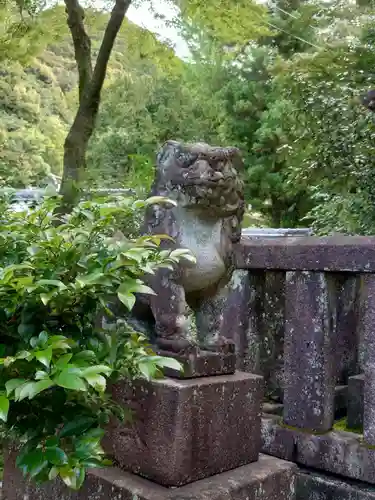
(282, 80)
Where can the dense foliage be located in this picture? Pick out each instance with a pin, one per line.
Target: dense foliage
(57, 278)
(283, 83)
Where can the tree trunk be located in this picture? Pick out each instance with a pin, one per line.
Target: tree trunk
(90, 87)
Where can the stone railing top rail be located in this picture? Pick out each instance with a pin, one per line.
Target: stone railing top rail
(332, 253)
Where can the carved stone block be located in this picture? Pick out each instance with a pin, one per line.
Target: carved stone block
(185, 430)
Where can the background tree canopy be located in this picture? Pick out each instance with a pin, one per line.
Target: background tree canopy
(282, 81)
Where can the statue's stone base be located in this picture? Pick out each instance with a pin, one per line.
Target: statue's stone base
(267, 479)
(187, 430)
(202, 364)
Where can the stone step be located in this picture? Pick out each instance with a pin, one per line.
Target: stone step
(267, 479)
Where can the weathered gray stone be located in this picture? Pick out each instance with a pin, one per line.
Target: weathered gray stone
(355, 401)
(341, 397)
(314, 486)
(347, 289)
(308, 352)
(272, 335)
(368, 322)
(236, 321)
(341, 401)
(253, 339)
(331, 253)
(341, 453)
(254, 320)
(267, 479)
(204, 184)
(186, 430)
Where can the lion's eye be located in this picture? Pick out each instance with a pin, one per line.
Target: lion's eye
(186, 159)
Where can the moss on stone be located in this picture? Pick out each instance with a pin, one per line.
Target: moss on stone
(342, 425)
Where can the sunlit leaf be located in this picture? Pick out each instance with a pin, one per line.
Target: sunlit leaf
(166, 362)
(70, 380)
(92, 370)
(56, 283)
(12, 384)
(56, 456)
(44, 356)
(4, 408)
(96, 381)
(35, 462)
(73, 478)
(127, 299)
(31, 389)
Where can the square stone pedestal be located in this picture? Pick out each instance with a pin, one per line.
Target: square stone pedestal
(267, 479)
(186, 430)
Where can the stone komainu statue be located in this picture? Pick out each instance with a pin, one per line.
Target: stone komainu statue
(204, 182)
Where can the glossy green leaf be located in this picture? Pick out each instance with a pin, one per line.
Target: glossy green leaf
(31, 389)
(76, 427)
(4, 408)
(56, 283)
(56, 456)
(53, 473)
(134, 286)
(96, 278)
(12, 384)
(70, 380)
(84, 358)
(96, 434)
(95, 369)
(24, 355)
(147, 369)
(35, 462)
(96, 381)
(42, 339)
(44, 357)
(9, 360)
(60, 342)
(73, 478)
(94, 463)
(63, 361)
(46, 297)
(166, 362)
(128, 299)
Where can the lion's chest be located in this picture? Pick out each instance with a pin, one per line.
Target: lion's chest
(203, 238)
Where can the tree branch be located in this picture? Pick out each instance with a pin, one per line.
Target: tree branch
(112, 29)
(81, 43)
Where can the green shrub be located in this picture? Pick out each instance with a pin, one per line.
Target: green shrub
(57, 358)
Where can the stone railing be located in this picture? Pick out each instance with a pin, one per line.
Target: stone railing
(322, 325)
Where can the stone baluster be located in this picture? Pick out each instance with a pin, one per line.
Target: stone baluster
(368, 330)
(308, 353)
